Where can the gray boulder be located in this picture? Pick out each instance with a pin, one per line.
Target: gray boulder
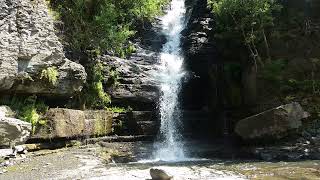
(28, 46)
(13, 131)
(274, 123)
(5, 111)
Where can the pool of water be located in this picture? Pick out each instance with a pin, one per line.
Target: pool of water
(217, 169)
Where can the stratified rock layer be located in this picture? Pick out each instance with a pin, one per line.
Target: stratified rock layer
(28, 45)
(137, 84)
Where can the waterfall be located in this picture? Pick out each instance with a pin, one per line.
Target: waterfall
(171, 72)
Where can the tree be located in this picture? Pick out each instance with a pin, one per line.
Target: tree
(245, 19)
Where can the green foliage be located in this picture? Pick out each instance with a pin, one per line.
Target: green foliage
(29, 109)
(95, 95)
(244, 21)
(113, 77)
(116, 109)
(273, 70)
(50, 74)
(104, 25)
(99, 127)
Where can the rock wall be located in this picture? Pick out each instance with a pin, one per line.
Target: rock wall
(28, 45)
(69, 123)
(199, 51)
(136, 85)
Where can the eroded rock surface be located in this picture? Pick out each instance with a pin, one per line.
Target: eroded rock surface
(28, 45)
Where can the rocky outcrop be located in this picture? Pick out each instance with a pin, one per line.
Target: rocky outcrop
(137, 86)
(12, 131)
(28, 46)
(272, 124)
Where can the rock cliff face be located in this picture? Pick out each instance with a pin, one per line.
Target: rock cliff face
(137, 86)
(28, 46)
(199, 50)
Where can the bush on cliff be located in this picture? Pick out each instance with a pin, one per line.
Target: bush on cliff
(103, 25)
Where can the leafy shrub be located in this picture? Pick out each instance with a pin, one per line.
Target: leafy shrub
(28, 109)
(105, 25)
(50, 74)
(94, 93)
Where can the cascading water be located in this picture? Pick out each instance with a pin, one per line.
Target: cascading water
(171, 72)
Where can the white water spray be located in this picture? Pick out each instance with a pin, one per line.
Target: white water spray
(170, 74)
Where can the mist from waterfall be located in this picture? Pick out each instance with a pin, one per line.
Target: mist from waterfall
(170, 147)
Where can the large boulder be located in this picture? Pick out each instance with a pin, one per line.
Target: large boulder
(70, 123)
(13, 131)
(62, 123)
(29, 46)
(272, 124)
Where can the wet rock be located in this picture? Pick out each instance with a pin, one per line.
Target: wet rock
(159, 174)
(272, 124)
(13, 131)
(28, 46)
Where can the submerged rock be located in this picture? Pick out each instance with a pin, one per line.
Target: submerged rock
(159, 174)
(274, 123)
(28, 47)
